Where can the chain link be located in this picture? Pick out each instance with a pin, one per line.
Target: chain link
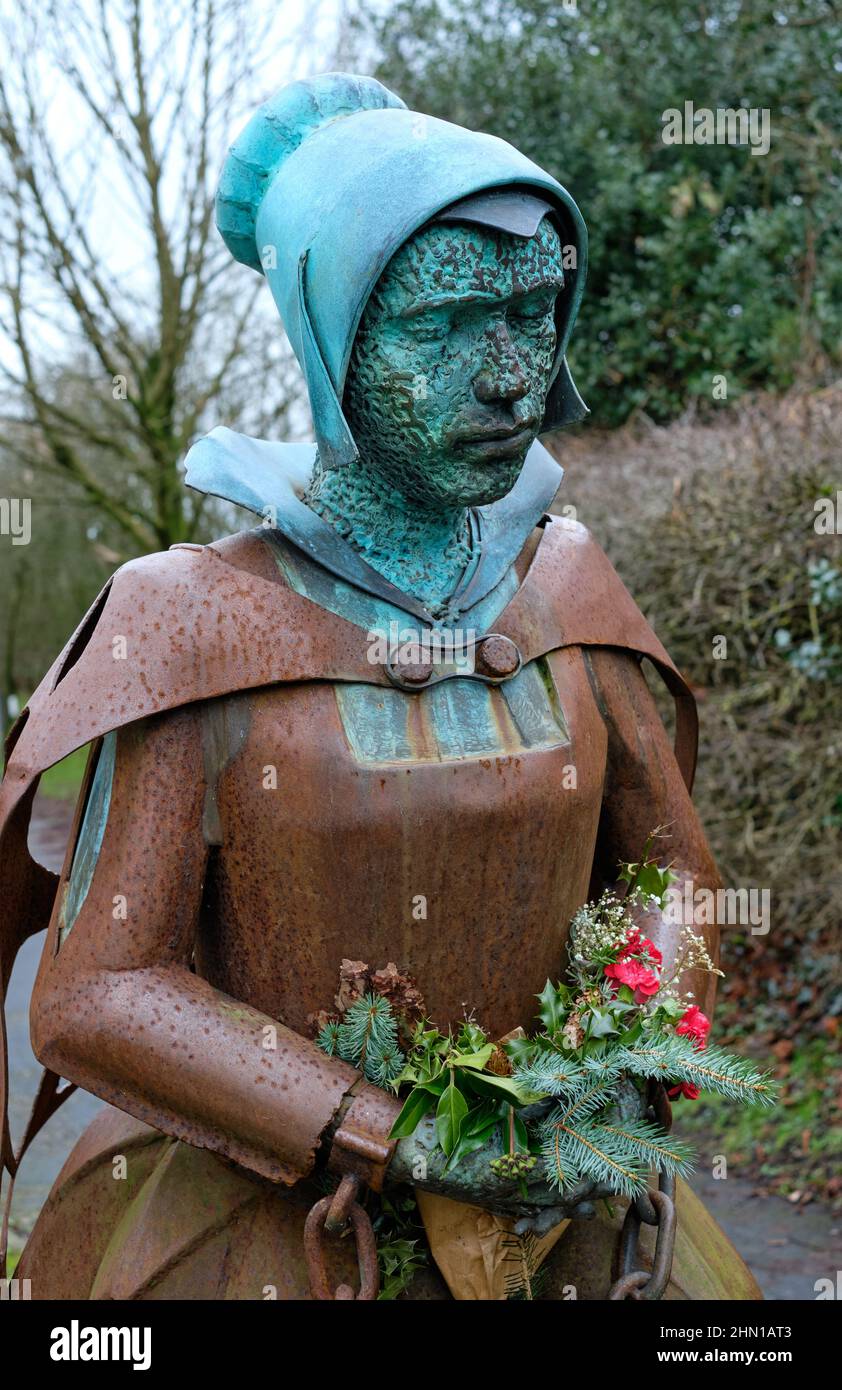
(330, 1217)
(652, 1208)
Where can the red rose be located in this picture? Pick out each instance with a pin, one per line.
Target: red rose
(685, 1089)
(642, 981)
(694, 1024)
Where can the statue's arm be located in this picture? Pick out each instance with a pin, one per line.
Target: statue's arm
(644, 789)
(118, 1010)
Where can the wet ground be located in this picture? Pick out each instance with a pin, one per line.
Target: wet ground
(788, 1248)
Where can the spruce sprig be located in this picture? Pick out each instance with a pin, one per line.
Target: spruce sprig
(673, 1059)
(367, 1038)
(619, 1156)
(550, 1073)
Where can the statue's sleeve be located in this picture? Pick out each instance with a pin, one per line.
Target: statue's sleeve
(644, 790)
(118, 1009)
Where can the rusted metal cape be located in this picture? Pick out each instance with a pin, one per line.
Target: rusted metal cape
(188, 625)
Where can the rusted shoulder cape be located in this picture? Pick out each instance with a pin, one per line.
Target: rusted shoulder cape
(188, 625)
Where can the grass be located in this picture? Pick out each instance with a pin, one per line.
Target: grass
(64, 780)
(796, 1148)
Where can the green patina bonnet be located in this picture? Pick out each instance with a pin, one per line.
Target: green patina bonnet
(329, 178)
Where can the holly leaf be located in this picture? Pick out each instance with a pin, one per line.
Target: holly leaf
(654, 882)
(520, 1050)
(552, 1011)
(601, 1023)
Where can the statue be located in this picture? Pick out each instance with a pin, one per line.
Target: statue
(274, 783)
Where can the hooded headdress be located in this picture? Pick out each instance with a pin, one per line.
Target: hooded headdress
(330, 177)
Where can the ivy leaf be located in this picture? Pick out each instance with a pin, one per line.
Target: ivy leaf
(409, 1076)
(476, 1130)
(450, 1112)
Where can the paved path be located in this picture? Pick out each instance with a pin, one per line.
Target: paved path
(787, 1248)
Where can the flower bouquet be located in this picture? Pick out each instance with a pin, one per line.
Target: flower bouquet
(562, 1115)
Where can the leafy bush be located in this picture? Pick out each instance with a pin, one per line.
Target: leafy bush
(716, 539)
(706, 260)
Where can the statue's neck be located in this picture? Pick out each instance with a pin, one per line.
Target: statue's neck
(422, 551)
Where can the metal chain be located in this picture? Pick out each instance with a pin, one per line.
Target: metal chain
(330, 1216)
(654, 1208)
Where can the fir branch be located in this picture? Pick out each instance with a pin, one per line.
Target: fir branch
(368, 1039)
(328, 1039)
(584, 1102)
(650, 1142)
(678, 1059)
(549, 1074)
(589, 1151)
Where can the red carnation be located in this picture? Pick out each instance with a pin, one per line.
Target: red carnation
(694, 1024)
(685, 1089)
(638, 946)
(642, 981)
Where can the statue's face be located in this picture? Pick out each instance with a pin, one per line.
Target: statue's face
(451, 365)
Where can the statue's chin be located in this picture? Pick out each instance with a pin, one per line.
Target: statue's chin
(492, 482)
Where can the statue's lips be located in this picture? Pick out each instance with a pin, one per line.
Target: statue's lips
(498, 444)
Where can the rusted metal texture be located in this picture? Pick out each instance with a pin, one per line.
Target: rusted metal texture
(247, 851)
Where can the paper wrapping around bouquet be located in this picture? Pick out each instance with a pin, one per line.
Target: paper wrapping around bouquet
(478, 1253)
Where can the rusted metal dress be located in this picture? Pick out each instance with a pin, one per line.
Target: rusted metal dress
(260, 830)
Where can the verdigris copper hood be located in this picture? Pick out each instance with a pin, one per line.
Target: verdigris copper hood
(329, 178)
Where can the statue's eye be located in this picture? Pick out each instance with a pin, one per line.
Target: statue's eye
(533, 309)
(430, 325)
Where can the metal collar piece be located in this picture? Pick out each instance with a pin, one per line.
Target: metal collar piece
(271, 480)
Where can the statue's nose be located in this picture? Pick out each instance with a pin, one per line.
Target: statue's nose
(501, 376)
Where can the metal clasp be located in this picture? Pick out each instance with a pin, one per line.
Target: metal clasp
(492, 659)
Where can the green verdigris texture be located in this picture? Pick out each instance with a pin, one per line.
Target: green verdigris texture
(446, 390)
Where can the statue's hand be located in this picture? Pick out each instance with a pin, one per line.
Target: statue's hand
(536, 1205)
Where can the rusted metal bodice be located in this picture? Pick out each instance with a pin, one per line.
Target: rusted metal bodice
(329, 857)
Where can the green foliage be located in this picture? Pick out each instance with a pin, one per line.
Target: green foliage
(705, 259)
(618, 1155)
(793, 1149)
(64, 780)
(672, 1059)
(524, 1276)
(401, 1244)
(597, 1041)
(580, 1137)
(367, 1038)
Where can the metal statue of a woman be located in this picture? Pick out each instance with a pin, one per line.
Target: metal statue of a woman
(269, 791)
